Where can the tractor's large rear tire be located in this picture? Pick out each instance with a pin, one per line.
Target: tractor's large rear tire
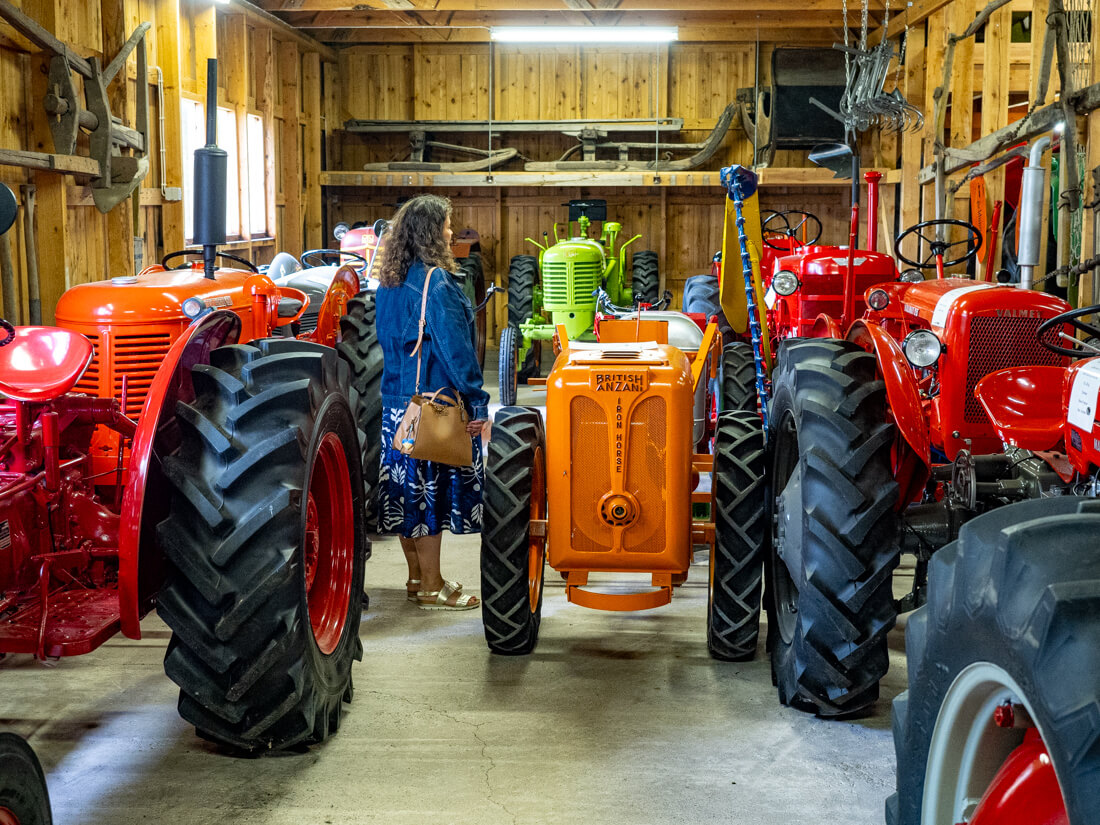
(645, 277)
(360, 348)
(24, 798)
(701, 296)
(264, 546)
(1014, 600)
(741, 532)
(471, 279)
(523, 274)
(830, 613)
(512, 560)
(507, 366)
(738, 378)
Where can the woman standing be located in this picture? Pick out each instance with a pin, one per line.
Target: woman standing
(419, 499)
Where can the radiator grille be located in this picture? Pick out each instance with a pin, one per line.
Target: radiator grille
(589, 459)
(999, 343)
(89, 381)
(559, 290)
(645, 476)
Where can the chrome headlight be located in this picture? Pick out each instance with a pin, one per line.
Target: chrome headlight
(878, 299)
(911, 276)
(922, 348)
(785, 282)
(339, 231)
(192, 308)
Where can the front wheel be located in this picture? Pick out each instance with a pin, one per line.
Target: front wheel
(1002, 673)
(360, 348)
(24, 799)
(513, 555)
(740, 536)
(835, 535)
(264, 546)
(507, 366)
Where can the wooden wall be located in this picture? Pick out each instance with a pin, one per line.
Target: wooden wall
(265, 69)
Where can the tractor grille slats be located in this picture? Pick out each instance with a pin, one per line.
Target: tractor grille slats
(559, 290)
(645, 476)
(997, 344)
(89, 381)
(589, 450)
(138, 357)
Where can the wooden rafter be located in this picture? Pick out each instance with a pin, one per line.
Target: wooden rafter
(730, 8)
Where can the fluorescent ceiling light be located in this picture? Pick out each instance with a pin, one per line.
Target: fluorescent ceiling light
(583, 34)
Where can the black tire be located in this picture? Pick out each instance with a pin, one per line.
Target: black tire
(741, 532)
(829, 616)
(522, 276)
(22, 783)
(701, 296)
(252, 674)
(738, 378)
(506, 366)
(360, 348)
(1018, 590)
(510, 616)
(471, 278)
(645, 277)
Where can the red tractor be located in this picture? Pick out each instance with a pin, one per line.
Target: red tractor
(999, 724)
(160, 449)
(875, 415)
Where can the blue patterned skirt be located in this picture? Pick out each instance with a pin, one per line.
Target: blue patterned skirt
(419, 498)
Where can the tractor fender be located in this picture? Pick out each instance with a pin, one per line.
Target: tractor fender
(825, 326)
(344, 287)
(905, 404)
(145, 501)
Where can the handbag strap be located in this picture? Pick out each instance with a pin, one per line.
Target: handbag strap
(423, 323)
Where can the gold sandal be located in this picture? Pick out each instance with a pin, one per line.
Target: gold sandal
(412, 587)
(450, 597)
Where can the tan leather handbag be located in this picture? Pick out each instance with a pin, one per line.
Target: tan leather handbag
(433, 427)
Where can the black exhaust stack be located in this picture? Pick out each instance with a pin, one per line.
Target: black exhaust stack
(210, 179)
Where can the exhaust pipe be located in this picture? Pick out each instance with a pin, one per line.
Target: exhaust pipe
(210, 179)
(1032, 197)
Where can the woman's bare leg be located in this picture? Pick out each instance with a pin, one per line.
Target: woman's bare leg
(411, 558)
(427, 555)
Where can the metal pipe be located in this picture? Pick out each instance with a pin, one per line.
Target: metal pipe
(7, 279)
(1032, 197)
(872, 179)
(1096, 234)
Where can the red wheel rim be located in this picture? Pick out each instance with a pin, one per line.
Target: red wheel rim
(329, 544)
(8, 817)
(536, 549)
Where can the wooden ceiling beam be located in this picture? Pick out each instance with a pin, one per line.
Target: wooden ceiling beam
(344, 36)
(306, 21)
(729, 8)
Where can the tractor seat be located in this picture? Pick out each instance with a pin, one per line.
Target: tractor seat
(43, 363)
(1025, 405)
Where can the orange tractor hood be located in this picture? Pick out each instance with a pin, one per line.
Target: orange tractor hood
(154, 296)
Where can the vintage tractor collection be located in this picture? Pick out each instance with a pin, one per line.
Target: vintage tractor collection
(558, 288)
(161, 449)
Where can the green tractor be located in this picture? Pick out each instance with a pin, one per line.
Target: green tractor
(559, 287)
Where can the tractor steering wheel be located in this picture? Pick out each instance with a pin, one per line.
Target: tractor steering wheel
(788, 229)
(938, 248)
(183, 252)
(321, 254)
(1073, 319)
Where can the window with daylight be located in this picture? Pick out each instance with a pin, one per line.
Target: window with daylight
(227, 140)
(257, 191)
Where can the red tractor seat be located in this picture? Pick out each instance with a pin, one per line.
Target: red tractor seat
(1025, 405)
(43, 363)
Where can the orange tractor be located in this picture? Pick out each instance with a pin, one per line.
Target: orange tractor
(608, 485)
(161, 450)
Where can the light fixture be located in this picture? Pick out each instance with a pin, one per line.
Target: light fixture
(878, 299)
(922, 348)
(583, 34)
(785, 282)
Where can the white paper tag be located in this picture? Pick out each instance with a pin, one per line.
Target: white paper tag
(1083, 396)
(769, 298)
(948, 299)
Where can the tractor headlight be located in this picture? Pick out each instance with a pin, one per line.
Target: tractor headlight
(911, 276)
(193, 308)
(785, 282)
(922, 348)
(878, 299)
(339, 231)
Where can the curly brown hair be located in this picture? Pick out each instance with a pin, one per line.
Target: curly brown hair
(416, 233)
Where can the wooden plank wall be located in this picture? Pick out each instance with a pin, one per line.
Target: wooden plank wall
(261, 70)
(683, 224)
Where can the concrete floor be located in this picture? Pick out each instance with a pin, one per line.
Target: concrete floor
(615, 718)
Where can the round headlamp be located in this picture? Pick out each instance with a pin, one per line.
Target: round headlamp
(785, 282)
(878, 299)
(922, 348)
(192, 308)
(339, 231)
(911, 276)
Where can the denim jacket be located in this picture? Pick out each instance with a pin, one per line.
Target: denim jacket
(447, 355)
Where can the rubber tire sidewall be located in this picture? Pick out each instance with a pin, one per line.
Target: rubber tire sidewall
(506, 367)
(23, 788)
